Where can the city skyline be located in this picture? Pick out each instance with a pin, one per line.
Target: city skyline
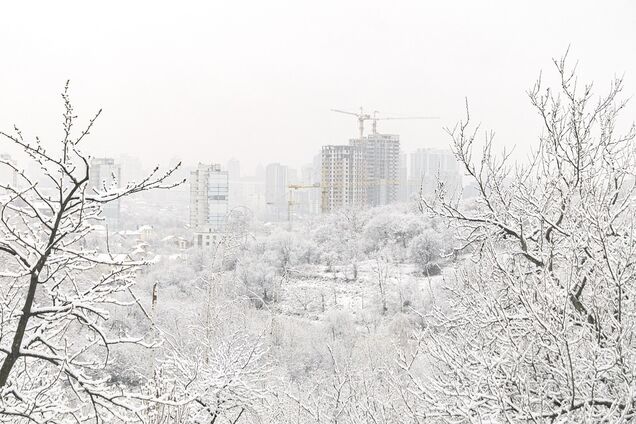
(344, 211)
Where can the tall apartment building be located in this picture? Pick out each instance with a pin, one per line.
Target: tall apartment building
(343, 177)
(105, 174)
(428, 166)
(276, 181)
(209, 197)
(234, 169)
(364, 173)
(381, 154)
(250, 193)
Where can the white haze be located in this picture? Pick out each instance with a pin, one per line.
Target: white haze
(256, 80)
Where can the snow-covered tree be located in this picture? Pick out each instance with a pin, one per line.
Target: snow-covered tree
(217, 377)
(541, 328)
(56, 295)
(426, 251)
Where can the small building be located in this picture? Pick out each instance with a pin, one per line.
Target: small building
(181, 243)
(145, 232)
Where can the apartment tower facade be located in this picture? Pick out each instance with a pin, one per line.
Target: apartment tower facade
(343, 176)
(364, 173)
(105, 174)
(381, 154)
(429, 167)
(209, 200)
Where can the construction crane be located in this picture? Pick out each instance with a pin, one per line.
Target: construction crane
(362, 116)
(375, 119)
(291, 203)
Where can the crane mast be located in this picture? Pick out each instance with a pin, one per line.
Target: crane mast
(362, 116)
(291, 203)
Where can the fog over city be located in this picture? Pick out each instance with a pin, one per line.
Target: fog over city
(336, 212)
(257, 80)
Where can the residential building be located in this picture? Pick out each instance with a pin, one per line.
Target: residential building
(364, 173)
(343, 177)
(105, 175)
(234, 169)
(276, 182)
(382, 160)
(431, 166)
(246, 191)
(251, 194)
(209, 203)
(132, 170)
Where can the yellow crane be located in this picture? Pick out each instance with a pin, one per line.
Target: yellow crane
(291, 203)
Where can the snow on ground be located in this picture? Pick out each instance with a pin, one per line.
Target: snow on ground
(311, 292)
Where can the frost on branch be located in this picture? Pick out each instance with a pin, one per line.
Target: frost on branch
(55, 294)
(541, 328)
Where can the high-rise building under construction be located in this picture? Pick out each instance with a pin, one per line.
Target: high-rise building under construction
(361, 174)
(342, 177)
(381, 153)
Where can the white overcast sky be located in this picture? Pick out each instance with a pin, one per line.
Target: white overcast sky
(210, 80)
